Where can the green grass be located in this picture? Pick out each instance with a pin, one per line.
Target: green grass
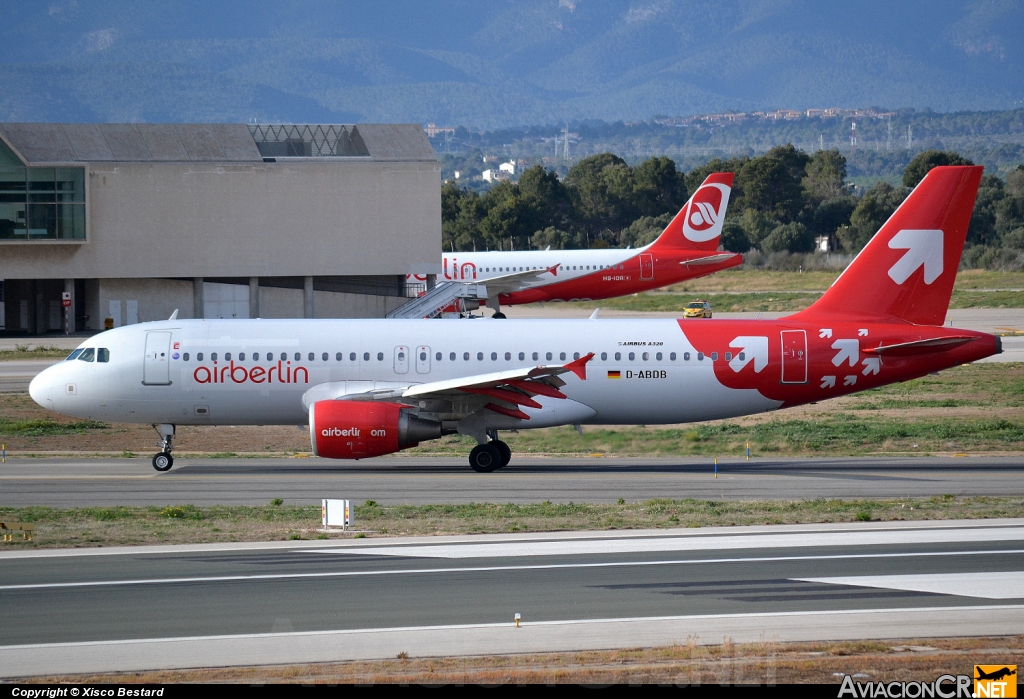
(107, 526)
(40, 352)
(47, 427)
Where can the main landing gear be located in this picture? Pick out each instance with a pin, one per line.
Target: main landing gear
(490, 456)
(163, 460)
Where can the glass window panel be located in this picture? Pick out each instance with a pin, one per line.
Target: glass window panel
(103, 354)
(12, 220)
(71, 221)
(42, 221)
(70, 184)
(41, 185)
(12, 181)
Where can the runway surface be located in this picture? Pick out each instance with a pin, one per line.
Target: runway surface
(15, 376)
(95, 482)
(91, 610)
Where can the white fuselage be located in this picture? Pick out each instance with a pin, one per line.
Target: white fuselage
(571, 264)
(257, 371)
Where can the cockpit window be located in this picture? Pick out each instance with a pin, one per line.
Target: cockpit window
(87, 355)
(102, 355)
(74, 355)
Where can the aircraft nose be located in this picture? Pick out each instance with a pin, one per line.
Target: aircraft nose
(40, 388)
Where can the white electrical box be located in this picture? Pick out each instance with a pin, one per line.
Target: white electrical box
(337, 513)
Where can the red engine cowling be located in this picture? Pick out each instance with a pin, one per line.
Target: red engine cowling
(340, 429)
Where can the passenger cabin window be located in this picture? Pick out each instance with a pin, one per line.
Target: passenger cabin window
(338, 357)
(618, 356)
(380, 356)
(213, 356)
(658, 356)
(479, 356)
(227, 356)
(185, 356)
(494, 356)
(88, 355)
(298, 356)
(672, 356)
(241, 356)
(632, 356)
(366, 356)
(102, 355)
(686, 356)
(438, 356)
(604, 356)
(646, 356)
(548, 356)
(352, 356)
(451, 356)
(536, 356)
(199, 357)
(714, 356)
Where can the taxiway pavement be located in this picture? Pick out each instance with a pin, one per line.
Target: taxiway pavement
(96, 610)
(69, 482)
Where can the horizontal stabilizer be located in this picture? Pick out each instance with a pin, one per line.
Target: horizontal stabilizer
(930, 346)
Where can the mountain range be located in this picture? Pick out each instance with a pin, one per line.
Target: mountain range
(499, 63)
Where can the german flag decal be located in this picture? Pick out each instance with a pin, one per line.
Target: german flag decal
(614, 374)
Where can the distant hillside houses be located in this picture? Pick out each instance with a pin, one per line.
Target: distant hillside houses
(505, 171)
(777, 115)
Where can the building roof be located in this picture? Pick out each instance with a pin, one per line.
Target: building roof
(40, 144)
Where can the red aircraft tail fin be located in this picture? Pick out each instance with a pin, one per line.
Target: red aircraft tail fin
(698, 225)
(907, 270)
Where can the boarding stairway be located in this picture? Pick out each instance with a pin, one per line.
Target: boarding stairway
(445, 297)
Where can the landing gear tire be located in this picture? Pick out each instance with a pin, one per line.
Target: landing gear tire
(499, 315)
(163, 461)
(485, 458)
(504, 450)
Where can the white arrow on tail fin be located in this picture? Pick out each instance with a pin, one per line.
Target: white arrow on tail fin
(850, 380)
(825, 332)
(753, 348)
(848, 350)
(828, 382)
(924, 248)
(871, 365)
(863, 332)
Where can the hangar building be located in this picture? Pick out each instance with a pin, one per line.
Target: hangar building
(214, 220)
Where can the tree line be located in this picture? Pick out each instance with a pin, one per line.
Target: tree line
(784, 200)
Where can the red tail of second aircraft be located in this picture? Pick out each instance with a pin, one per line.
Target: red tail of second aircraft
(906, 271)
(698, 225)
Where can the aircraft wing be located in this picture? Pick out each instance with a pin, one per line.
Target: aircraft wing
(515, 281)
(501, 391)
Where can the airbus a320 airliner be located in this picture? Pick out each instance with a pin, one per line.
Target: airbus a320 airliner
(686, 249)
(373, 387)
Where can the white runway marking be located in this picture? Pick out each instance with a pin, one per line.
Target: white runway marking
(692, 543)
(1005, 585)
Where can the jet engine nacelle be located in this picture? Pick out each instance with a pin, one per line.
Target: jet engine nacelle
(340, 429)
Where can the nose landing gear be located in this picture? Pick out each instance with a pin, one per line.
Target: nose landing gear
(163, 460)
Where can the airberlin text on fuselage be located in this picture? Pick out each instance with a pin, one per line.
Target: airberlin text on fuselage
(282, 372)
